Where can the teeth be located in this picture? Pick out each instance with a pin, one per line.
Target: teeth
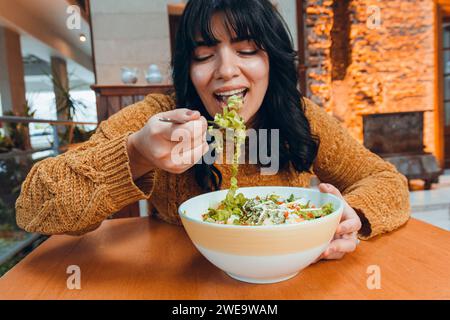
(230, 93)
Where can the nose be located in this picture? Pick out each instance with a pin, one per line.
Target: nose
(227, 67)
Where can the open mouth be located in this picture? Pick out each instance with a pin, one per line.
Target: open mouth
(222, 97)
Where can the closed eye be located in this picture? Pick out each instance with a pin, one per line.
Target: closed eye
(202, 58)
(248, 52)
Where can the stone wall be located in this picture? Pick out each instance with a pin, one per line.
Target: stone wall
(391, 60)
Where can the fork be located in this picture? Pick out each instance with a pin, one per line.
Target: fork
(165, 119)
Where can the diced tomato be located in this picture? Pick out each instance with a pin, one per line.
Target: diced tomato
(310, 215)
(280, 202)
(286, 214)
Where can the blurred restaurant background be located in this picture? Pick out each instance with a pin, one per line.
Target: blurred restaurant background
(382, 68)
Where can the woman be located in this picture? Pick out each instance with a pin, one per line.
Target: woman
(224, 47)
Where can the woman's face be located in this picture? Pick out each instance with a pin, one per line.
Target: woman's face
(231, 67)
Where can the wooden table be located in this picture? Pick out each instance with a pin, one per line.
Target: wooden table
(141, 258)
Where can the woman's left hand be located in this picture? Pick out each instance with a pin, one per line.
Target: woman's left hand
(345, 239)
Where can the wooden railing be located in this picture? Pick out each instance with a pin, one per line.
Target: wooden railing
(112, 98)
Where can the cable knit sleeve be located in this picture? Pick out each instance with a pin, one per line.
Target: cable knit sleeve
(75, 191)
(370, 185)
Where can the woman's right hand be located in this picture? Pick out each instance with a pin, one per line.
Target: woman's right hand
(157, 144)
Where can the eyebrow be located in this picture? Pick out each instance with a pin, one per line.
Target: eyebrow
(216, 42)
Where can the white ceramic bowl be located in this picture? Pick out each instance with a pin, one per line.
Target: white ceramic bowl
(261, 254)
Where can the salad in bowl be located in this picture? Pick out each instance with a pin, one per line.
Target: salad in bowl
(259, 234)
(263, 247)
(269, 210)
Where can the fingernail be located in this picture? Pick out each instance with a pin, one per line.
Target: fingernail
(189, 112)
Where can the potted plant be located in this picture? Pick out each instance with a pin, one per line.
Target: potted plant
(17, 134)
(67, 105)
(6, 144)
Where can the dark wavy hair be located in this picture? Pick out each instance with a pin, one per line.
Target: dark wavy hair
(283, 106)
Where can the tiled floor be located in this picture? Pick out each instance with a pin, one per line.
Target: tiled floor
(433, 206)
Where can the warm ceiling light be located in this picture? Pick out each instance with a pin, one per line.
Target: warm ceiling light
(83, 38)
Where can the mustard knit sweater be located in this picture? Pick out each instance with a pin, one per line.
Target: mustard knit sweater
(74, 192)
